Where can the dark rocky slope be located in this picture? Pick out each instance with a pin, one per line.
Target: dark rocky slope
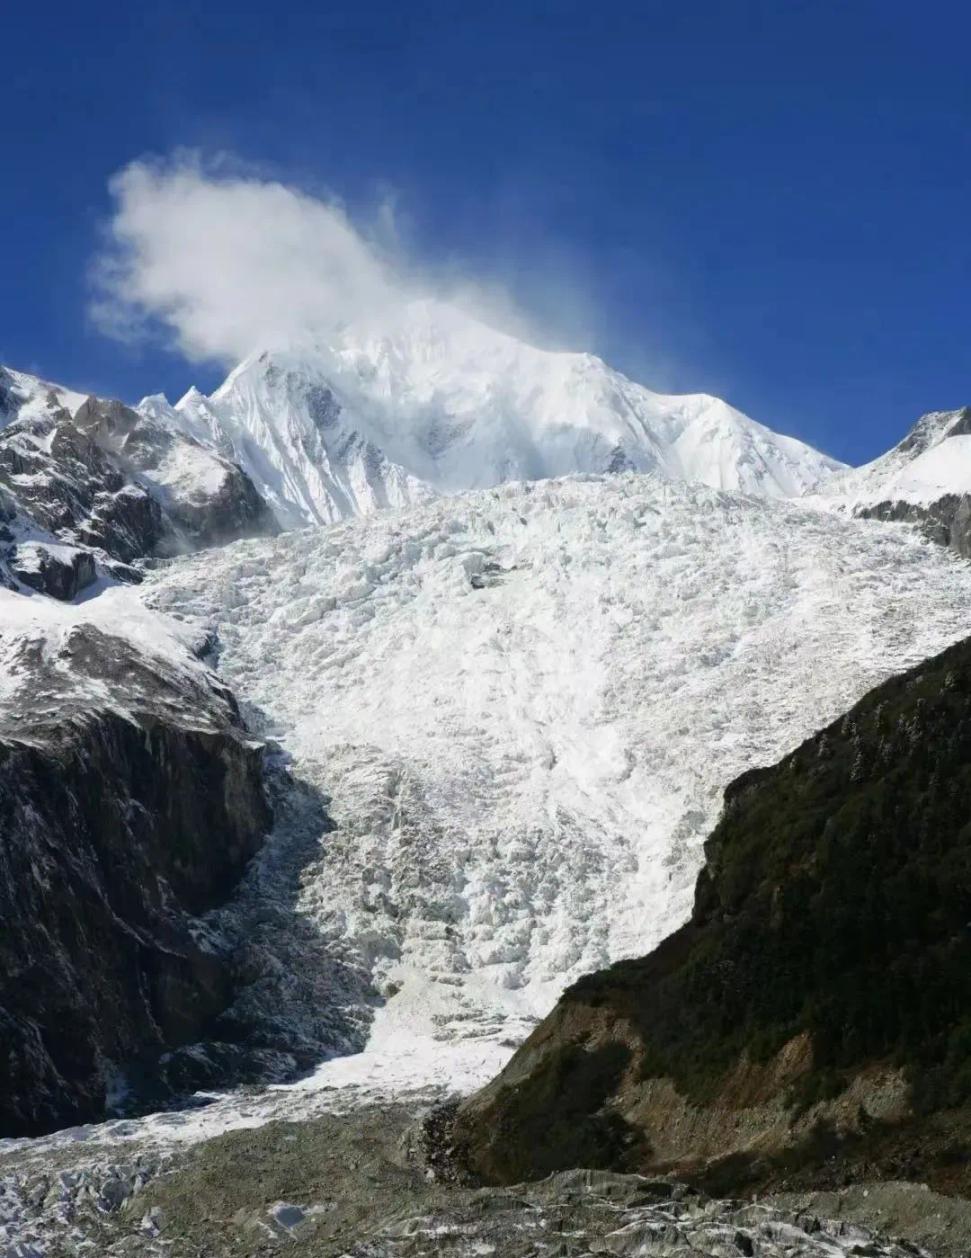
(122, 818)
(816, 1009)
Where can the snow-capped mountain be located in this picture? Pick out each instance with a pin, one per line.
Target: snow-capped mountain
(933, 459)
(441, 403)
(925, 479)
(498, 719)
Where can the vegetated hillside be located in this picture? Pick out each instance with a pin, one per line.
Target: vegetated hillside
(822, 983)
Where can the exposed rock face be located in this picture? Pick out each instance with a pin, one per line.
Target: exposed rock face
(824, 977)
(120, 822)
(97, 476)
(60, 571)
(205, 499)
(62, 481)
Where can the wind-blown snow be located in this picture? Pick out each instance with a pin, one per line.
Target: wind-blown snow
(440, 403)
(524, 705)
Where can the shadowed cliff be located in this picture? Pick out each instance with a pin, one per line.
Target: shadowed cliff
(122, 818)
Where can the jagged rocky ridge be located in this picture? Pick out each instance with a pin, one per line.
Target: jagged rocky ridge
(816, 1003)
(89, 485)
(131, 799)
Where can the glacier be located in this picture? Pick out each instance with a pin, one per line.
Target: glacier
(523, 704)
(526, 619)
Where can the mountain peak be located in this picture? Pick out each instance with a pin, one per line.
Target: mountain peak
(434, 401)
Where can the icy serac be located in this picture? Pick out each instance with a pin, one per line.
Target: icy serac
(437, 402)
(524, 703)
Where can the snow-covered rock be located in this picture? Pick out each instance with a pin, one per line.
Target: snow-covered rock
(205, 498)
(131, 799)
(95, 476)
(51, 568)
(933, 459)
(925, 479)
(441, 403)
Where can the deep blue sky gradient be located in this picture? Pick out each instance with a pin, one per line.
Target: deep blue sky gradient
(770, 201)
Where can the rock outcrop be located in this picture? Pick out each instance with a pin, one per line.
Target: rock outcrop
(204, 498)
(60, 571)
(946, 520)
(818, 994)
(131, 800)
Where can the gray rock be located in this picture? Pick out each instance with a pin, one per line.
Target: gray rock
(61, 572)
(946, 521)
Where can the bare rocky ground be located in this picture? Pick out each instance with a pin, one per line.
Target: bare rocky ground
(358, 1184)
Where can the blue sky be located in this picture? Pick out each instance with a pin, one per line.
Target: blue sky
(769, 201)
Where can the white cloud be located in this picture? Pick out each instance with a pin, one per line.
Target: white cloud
(230, 263)
(225, 262)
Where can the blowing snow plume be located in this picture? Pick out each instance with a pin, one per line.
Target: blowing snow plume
(229, 263)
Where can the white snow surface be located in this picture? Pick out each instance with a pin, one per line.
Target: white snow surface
(440, 403)
(524, 705)
(30, 621)
(187, 471)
